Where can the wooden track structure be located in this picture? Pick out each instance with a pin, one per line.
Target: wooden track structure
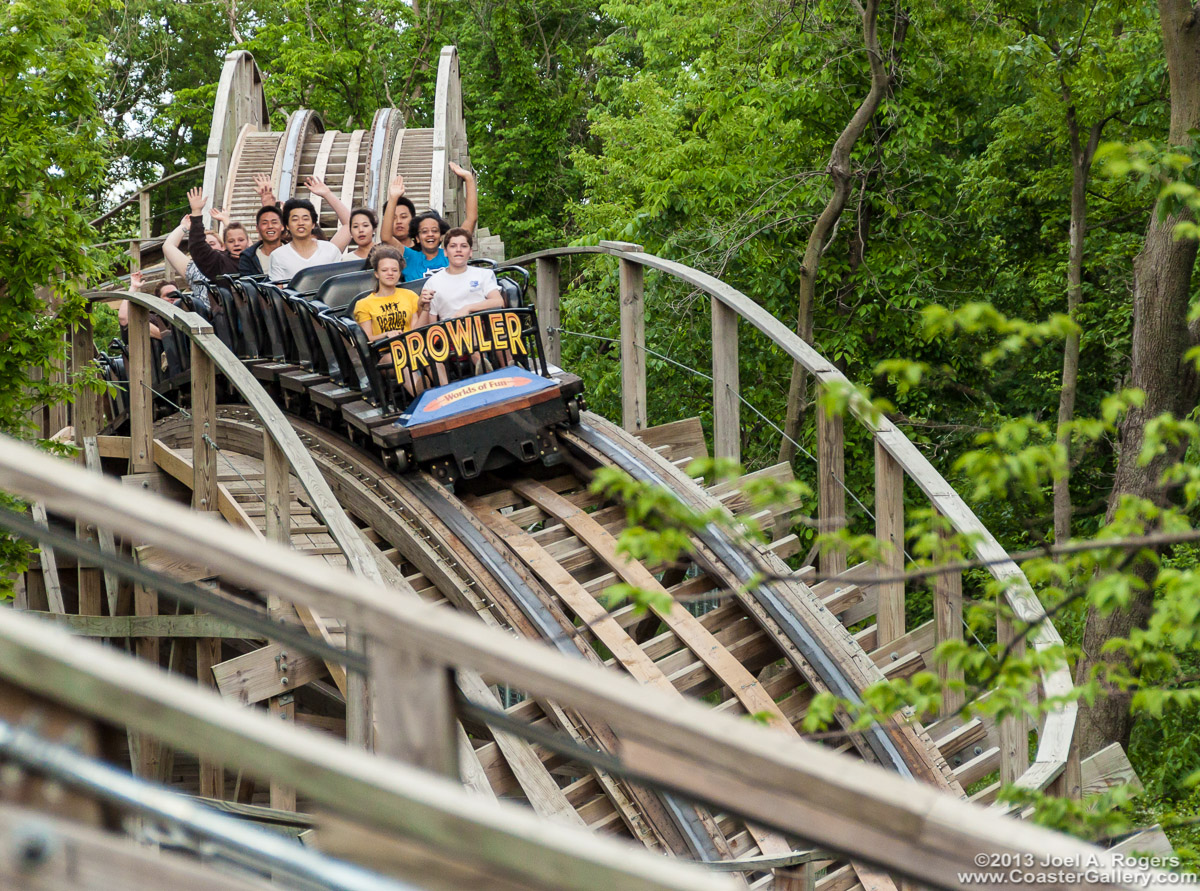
(626, 731)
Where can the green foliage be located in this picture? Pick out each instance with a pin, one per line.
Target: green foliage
(52, 155)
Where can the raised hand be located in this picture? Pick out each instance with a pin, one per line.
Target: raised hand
(197, 200)
(396, 189)
(461, 172)
(262, 185)
(136, 280)
(219, 216)
(317, 187)
(186, 223)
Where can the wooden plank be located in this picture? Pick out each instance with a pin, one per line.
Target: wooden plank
(191, 626)
(889, 529)
(831, 493)
(268, 671)
(683, 624)
(727, 422)
(683, 437)
(141, 379)
(594, 616)
(204, 431)
(1107, 769)
(598, 620)
(633, 347)
(542, 790)
(84, 858)
(49, 564)
(547, 297)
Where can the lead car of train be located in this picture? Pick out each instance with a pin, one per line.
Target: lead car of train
(458, 397)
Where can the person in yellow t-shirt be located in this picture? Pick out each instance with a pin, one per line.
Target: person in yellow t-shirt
(388, 309)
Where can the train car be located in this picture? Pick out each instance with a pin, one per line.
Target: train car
(458, 398)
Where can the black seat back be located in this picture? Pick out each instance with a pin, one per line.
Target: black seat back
(310, 279)
(341, 290)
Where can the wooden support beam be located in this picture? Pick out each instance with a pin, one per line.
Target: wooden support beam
(947, 625)
(548, 311)
(633, 346)
(1014, 729)
(141, 379)
(50, 579)
(283, 797)
(204, 431)
(212, 774)
(191, 626)
(412, 701)
(831, 492)
(108, 544)
(727, 420)
(889, 529)
(86, 421)
(145, 752)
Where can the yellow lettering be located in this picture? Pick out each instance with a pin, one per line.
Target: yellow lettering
(496, 323)
(438, 343)
(416, 350)
(399, 358)
(481, 343)
(460, 334)
(512, 321)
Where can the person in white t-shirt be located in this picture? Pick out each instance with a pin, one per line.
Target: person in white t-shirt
(305, 249)
(459, 289)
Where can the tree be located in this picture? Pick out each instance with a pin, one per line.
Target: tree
(882, 75)
(52, 156)
(1161, 340)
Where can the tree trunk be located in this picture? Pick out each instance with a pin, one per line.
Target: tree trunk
(822, 231)
(1081, 163)
(1162, 278)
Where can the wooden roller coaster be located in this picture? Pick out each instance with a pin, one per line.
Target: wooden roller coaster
(518, 733)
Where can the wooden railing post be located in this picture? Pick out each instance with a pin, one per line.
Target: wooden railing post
(1014, 730)
(144, 214)
(889, 529)
(831, 494)
(278, 492)
(549, 314)
(204, 431)
(141, 396)
(947, 625)
(86, 419)
(727, 421)
(633, 346)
